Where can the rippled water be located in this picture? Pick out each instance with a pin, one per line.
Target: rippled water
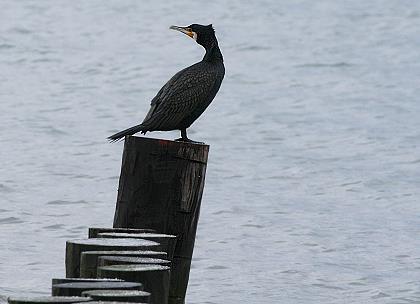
(312, 190)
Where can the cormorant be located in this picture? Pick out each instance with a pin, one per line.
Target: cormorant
(188, 93)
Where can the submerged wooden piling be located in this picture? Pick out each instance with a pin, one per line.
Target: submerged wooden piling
(121, 260)
(74, 249)
(109, 302)
(76, 289)
(136, 296)
(167, 241)
(160, 187)
(155, 278)
(47, 300)
(55, 281)
(94, 231)
(89, 259)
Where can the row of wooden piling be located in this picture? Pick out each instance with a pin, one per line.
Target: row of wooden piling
(114, 265)
(146, 257)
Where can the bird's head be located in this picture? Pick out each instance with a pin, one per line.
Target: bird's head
(202, 34)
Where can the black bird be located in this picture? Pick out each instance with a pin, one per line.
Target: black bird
(188, 93)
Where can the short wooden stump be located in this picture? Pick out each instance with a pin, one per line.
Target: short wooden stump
(89, 259)
(47, 300)
(74, 248)
(123, 260)
(75, 280)
(167, 241)
(118, 295)
(76, 289)
(155, 278)
(93, 232)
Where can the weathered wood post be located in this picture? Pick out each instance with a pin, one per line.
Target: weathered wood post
(48, 300)
(75, 289)
(89, 259)
(74, 249)
(167, 241)
(154, 278)
(115, 296)
(160, 187)
(93, 232)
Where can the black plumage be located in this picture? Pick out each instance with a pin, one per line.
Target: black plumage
(188, 93)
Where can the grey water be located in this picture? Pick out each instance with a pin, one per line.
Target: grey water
(313, 183)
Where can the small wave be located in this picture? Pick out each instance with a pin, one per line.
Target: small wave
(290, 271)
(54, 131)
(54, 227)
(6, 46)
(357, 283)
(78, 228)
(253, 226)
(380, 295)
(325, 65)
(254, 48)
(310, 244)
(414, 15)
(217, 267)
(61, 202)
(10, 220)
(83, 175)
(5, 189)
(3, 299)
(350, 183)
(221, 212)
(92, 71)
(58, 215)
(46, 60)
(20, 30)
(52, 110)
(327, 286)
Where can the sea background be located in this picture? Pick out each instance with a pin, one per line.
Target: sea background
(313, 182)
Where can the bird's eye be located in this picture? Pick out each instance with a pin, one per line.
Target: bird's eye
(194, 36)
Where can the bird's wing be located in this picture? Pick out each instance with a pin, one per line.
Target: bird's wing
(179, 97)
(156, 101)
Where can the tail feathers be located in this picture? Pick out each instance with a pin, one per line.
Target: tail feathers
(129, 131)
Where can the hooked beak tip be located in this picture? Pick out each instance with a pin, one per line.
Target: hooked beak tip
(186, 30)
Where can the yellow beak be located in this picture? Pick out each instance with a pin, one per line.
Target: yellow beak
(185, 30)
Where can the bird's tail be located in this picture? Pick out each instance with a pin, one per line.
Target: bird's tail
(129, 131)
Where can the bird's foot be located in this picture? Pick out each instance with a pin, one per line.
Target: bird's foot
(187, 140)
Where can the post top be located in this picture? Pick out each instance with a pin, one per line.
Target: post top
(166, 141)
(195, 152)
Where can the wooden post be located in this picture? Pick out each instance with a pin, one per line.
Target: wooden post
(154, 278)
(93, 232)
(115, 296)
(76, 289)
(47, 300)
(89, 259)
(124, 260)
(167, 241)
(74, 248)
(160, 187)
(56, 281)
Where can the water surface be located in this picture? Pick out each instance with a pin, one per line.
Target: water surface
(312, 188)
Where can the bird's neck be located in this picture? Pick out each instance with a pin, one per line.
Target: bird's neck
(213, 53)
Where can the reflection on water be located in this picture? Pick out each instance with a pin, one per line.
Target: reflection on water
(312, 185)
